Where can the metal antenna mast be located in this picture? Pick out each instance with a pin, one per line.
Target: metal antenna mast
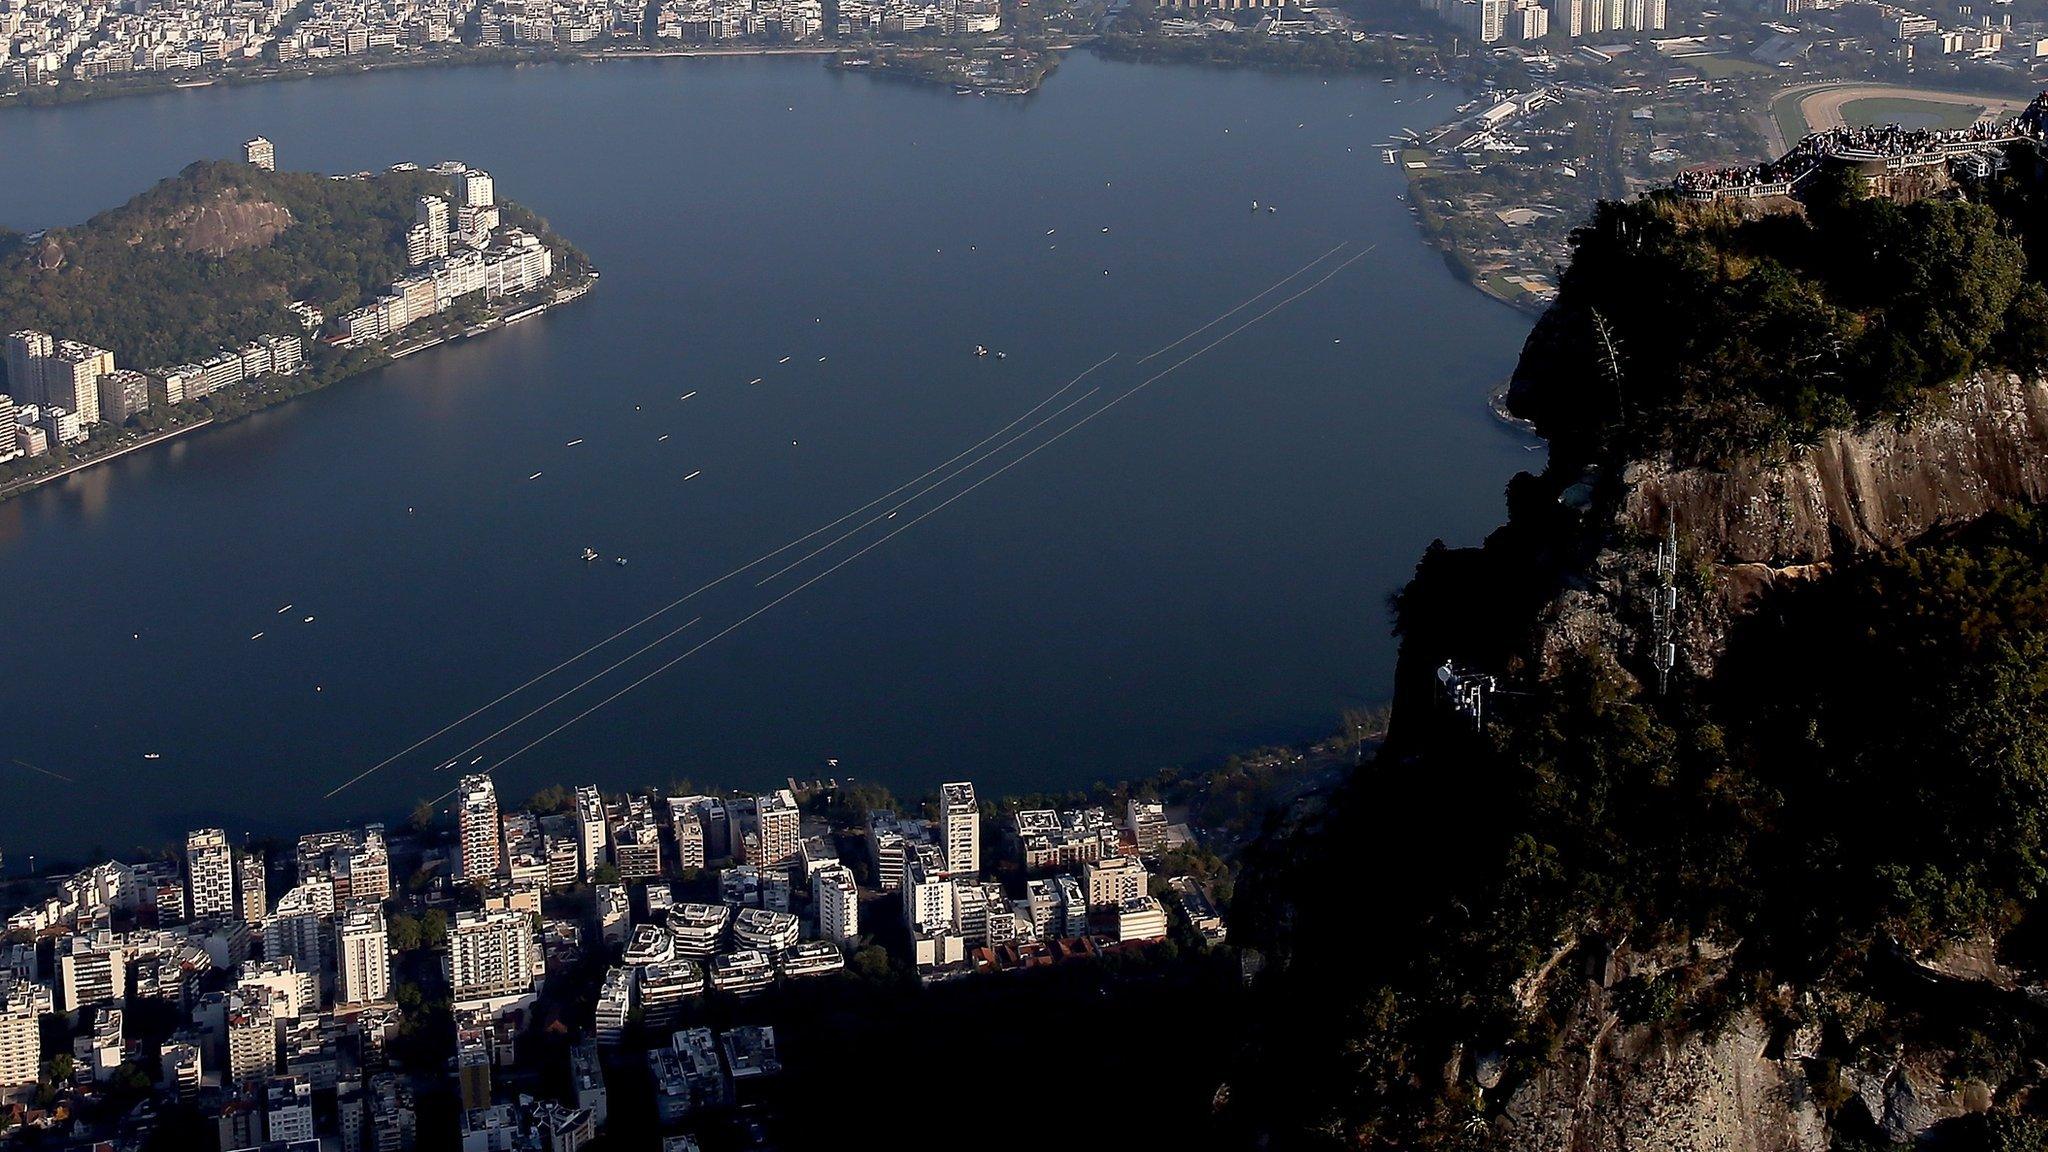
(1664, 605)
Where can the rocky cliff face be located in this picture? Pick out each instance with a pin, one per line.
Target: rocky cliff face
(1984, 447)
(1616, 1088)
(1744, 530)
(229, 221)
(1611, 1085)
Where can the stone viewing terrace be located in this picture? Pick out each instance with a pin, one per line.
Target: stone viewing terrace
(1875, 150)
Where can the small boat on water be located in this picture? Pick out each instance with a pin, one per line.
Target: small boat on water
(283, 610)
(257, 636)
(1255, 205)
(755, 380)
(307, 620)
(690, 393)
(620, 561)
(694, 475)
(1002, 355)
(660, 438)
(784, 360)
(980, 350)
(535, 476)
(152, 755)
(476, 761)
(573, 443)
(589, 554)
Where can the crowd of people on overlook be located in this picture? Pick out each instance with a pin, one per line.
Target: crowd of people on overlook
(1878, 141)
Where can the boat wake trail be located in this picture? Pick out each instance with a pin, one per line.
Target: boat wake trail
(1248, 303)
(942, 505)
(706, 587)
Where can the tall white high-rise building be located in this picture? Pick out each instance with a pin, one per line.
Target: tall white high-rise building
(960, 828)
(927, 893)
(473, 189)
(433, 212)
(490, 954)
(252, 1036)
(364, 957)
(779, 826)
(210, 871)
(26, 351)
(20, 1044)
(252, 887)
(261, 153)
(10, 424)
(288, 1111)
(687, 826)
(427, 239)
(837, 900)
(297, 928)
(590, 827)
(482, 839)
(91, 970)
(1147, 822)
(1115, 880)
(71, 378)
(1568, 17)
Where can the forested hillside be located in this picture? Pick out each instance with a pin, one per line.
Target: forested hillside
(1833, 847)
(1712, 331)
(211, 256)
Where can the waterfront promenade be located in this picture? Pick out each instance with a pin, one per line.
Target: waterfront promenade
(8, 491)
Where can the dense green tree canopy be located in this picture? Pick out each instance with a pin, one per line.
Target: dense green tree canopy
(1711, 331)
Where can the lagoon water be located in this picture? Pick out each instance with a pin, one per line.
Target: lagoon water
(1201, 568)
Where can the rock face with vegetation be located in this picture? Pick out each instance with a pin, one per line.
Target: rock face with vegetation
(1795, 901)
(1981, 446)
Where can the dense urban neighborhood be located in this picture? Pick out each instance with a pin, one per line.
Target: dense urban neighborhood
(412, 987)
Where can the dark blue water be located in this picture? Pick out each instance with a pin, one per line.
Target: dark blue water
(1203, 567)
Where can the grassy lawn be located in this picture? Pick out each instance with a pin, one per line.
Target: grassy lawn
(1501, 286)
(1723, 67)
(1785, 112)
(1909, 112)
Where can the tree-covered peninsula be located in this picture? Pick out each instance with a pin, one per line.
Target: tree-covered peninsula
(213, 256)
(223, 254)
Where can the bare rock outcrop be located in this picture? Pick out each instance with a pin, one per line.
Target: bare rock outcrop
(1620, 1089)
(1763, 524)
(1983, 447)
(228, 221)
